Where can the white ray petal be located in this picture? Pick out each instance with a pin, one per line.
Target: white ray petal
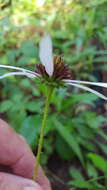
(102, 84)
(17, 68)
(88, 89)
(18, 73)
(45, 54)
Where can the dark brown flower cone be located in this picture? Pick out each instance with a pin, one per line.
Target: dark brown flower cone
(61, 70)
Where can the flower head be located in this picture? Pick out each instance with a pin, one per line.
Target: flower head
(53, 70)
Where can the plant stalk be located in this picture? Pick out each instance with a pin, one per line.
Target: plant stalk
(40, 144)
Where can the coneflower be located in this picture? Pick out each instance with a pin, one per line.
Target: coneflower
(54, 72)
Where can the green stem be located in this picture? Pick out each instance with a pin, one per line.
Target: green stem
(40, 144)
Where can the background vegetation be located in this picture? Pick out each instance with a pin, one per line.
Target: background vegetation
(76, 130)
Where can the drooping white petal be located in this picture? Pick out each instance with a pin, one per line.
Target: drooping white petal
(17, 68)
(17, 73)
(45, 54)
(102, 84)
(88, 89)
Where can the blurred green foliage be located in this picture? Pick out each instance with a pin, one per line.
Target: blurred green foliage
(78, 29)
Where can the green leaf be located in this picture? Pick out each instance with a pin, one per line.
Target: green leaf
(82, 184)
(70, 139)
(92, 172)
(86, 185)
(104, 135)
(101, 59)
(25, 83)
(17, 120)
(87, 144)
(103, 147)
(5, 106)
(30, 129)
(95, 121)
(34, 106)
(83, 98)
(98, 161)
(76, 174)
(62, 149)
(28, 48)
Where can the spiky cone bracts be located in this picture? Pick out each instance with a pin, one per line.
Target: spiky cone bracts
(61, 72)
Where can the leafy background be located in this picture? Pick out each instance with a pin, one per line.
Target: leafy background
(76, 127)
